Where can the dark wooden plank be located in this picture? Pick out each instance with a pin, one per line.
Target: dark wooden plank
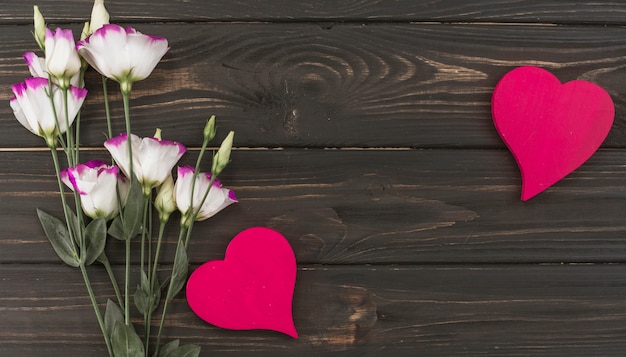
(364, 86)
(326, 10)
(574, 310)
(372, 206)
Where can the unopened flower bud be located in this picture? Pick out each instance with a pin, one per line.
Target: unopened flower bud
(40, 28)
(209, 129)
(99, 16)
(164, 201)
(85, 32)
(222, 157)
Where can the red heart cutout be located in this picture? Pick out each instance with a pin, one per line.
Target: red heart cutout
(550, 128)
(252, 288)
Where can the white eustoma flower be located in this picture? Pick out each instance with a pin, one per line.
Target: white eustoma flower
(62, 60)
(153, 159)
(98, 185)
(217, 199)
(37, 68)
(33, 109)
(124, 55)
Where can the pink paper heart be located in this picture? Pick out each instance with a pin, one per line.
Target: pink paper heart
(252, 288)
(550, 128)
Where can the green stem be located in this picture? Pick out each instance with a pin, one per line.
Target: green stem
(94, 303)
(194, 214)
(146, 201)
(126, 98)
(56, 120)
(152, 278)
(157, 253)
(77, 142)
(196, 170)
(107, 111)
(127, 285)
(55, 159)
(144, 232)
(107, 266)
(80, 231)
(68, 131)
(167, 299)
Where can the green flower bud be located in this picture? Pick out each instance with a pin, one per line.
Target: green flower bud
(40, 28)
(99, 16)
(164, 201)
(222, 157)
(209, 129)
(85, 32)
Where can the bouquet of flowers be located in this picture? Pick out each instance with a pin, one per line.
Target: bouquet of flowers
(117, 199)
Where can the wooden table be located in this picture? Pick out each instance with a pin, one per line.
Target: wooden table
(364, 135)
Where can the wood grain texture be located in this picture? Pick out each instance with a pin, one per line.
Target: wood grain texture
(372, 207)
(420, 246)
(324, 10)
(556, 310)
(357, 86)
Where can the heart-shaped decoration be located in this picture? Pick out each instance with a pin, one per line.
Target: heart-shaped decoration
(550, 128)
(252, 288)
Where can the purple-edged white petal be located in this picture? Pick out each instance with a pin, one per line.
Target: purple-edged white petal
(217, 199)
(151, 48)
(153, 159)
(36, 65)
(21, 117)
(33, 109)
(37, 68)
(62, 60)
(124, 55)
(118, 148)
(98, 185)
(157, 158)
(182, 190)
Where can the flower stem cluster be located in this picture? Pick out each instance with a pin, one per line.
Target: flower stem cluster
(116, 200)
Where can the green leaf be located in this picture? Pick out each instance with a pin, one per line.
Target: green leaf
(141, 300)
(102, 258)
(146, 298)
(183, 351)
(76, 228)
(125, 342)
(179, 271)
(95, 239)
(112, 314)
(59, 237)
(116, 230)
(133, 211)
(145, 284)
(168, 348)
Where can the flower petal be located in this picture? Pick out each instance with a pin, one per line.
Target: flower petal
(151, 49)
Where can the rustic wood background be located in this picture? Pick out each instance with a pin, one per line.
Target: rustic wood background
(364, 134)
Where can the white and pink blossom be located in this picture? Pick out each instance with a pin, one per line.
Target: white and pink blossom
(217, 199)
(37, 68)
(33, 109)
(122, 54)
(61, 57)
(98, 185)
(152, 158)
